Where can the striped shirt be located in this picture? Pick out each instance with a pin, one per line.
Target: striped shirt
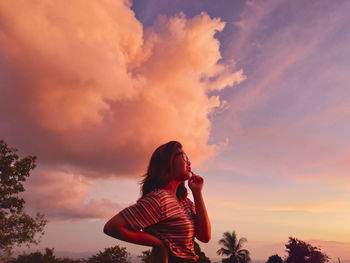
(161, 214)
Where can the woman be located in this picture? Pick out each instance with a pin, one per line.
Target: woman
(164, 218)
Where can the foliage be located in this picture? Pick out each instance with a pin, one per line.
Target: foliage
(302, 252)
(114, 254)
(146, 256)
(109, 255)
(16, 227)
(275, 259)
(202, 258)
(233, 249)
(38, 257)
(149, 256)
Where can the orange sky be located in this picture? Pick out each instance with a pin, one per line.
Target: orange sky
(257, 92)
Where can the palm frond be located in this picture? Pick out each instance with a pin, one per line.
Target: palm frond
(244, 251)
(240, 243)
(232, 247)
(223, 251)
(229, 241)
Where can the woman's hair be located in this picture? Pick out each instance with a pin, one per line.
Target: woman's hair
(160, 170)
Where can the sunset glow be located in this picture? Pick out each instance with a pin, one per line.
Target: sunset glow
(258, 92)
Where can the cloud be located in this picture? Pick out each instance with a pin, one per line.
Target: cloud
(92, 93)
(289, 118)
(84, 84)
(250, 25)
(63, 195)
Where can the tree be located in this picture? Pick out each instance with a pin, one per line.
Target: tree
(16, 227)
(302, 252)
(202, 258)
(275, 259)
(114, 254)
(149, 256)
(233, 249)
(146, 256)
(38, 257)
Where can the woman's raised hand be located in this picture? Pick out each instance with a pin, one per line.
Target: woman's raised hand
(195, 183)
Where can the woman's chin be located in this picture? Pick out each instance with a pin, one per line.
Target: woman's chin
(184, 177)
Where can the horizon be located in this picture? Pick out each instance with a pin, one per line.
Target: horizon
(134, 257)
(257, 93)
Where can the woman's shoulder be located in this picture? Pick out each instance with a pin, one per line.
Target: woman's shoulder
(158, 194)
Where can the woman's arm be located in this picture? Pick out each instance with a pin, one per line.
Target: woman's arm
(203, 228)
(117, 227)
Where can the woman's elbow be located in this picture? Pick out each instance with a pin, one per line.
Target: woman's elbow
(114, 226)
(204, 238)
(113, 231)
(107, 228)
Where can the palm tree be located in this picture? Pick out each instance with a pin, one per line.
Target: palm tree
(233, 249)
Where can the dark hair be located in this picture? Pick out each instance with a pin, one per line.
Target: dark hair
(160, 168)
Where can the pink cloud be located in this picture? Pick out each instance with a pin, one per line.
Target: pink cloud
(91, 93)
(85, 85)
(250, 23)
(63, 195)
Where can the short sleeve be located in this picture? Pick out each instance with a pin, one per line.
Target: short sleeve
(146, 212)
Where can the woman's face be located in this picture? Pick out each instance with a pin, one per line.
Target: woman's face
(181, 166)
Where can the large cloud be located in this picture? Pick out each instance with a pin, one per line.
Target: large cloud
(65, 195)
(85, 86)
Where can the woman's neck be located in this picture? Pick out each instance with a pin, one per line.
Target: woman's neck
(171, 187)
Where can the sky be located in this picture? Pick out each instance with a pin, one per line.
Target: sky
(256, 91)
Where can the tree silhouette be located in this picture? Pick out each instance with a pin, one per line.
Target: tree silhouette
(16, 227)
(149, 256)
(114, 254)
(38, 257)
(146, 256)
(202, 258)
(275, 259)
(232, 248)
(302, 252)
